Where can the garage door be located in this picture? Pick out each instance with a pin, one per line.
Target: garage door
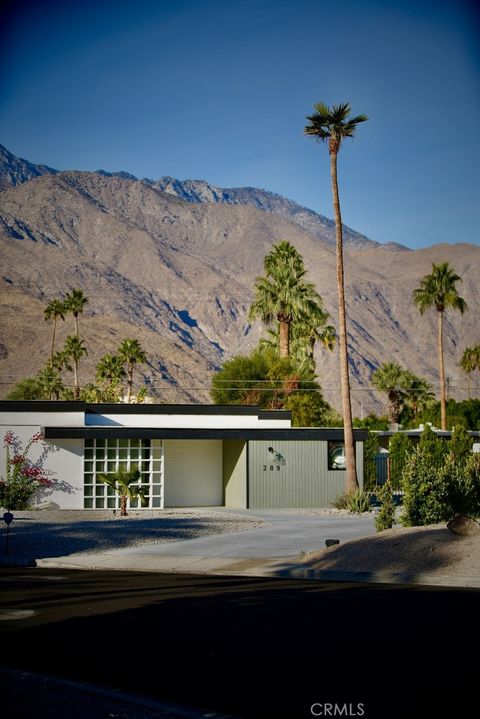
(193, 473)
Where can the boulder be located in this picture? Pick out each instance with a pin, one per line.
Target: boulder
(465, 526)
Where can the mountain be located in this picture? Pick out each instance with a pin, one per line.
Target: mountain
(179, 275)
(14, 170)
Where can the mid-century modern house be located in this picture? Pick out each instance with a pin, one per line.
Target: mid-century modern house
(188, 455)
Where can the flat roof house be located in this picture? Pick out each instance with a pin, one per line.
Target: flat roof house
(188, 455)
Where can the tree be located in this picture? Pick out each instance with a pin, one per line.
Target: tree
(390, 378)
(469, 363)
(50, 381)
(438, 289)
(123, 481)
(333, 124)
(53, 311)
(75, 350)
(131, 354)
(110, 368)
(74, 303)
(418, 394)
(27, 388)
(283, 294)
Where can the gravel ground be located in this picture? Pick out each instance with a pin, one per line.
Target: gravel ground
(56, 533)
(433, 550)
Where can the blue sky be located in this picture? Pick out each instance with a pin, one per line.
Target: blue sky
(219, 91)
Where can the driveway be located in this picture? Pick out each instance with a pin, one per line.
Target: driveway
(288, 534)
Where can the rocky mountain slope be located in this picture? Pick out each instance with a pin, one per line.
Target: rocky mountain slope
(178, 276)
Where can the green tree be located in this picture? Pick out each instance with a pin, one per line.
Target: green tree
(418, 395)
(282, 294)
(131, 354)
(75, 349)
(438, 290)
(332, 125)
(390, 378)
(53, 311)
(74, 303)
(469, 363)
(26, 389)
(125, 482)
(110, 369)
(50, 382)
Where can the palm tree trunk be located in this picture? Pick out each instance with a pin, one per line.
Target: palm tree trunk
(123, 505)
(53, 338)
(129, 383)
(76, 388)
(284, 339)
(351, 481)
(441, 369)
(76, 324)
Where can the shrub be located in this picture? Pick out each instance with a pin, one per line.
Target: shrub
(399, 448)
(369, 465)
(425, 499)
(22, 476)
(356, 502)
(463, 485)
(385, 519)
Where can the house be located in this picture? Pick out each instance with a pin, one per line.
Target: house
(188, 455)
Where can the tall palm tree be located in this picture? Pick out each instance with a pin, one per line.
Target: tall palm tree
(333, 125)
(469, 363)
(74, 303)
(391, 379)
(283, 294)
(131, 354)
(53, 311)
(110, 368)
(75, 350)
(438, 290)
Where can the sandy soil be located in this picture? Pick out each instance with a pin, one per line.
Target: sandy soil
(433, 550)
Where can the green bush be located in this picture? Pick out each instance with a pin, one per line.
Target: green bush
(425, 499)
(385, 519)
(399, 448)
(463, 485)
(370, 450)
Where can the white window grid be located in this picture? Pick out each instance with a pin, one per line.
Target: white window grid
(105, 456)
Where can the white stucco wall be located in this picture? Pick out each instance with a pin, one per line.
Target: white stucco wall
(184, 421)
(63, 460)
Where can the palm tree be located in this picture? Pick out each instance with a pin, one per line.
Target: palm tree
(332, 124)
(122, 482)
(50, 381)
(418, 394)
(469, 363)
(438, 290)
(391, 379)
(54, 310)
(110, 368)
(75, 350)
(283, 294)
(305, 335)
(131, 354)
(74, 302)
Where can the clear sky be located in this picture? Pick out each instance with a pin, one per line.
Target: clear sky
(219, 90)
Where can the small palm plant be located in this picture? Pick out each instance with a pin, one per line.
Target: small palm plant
(125, 483)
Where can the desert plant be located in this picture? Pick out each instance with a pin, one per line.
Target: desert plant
(399, 448)
(462, 479)
(125, 483)
(425, 499)
(357, 502)
(385, 519)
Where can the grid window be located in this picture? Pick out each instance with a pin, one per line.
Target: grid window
(108, 456)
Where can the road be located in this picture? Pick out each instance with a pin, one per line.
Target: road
(248, 647)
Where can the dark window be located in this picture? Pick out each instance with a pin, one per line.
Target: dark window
(336, 455)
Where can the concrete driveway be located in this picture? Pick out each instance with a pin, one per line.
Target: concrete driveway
(262, 551)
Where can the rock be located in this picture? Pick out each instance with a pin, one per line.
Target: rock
(464, 526)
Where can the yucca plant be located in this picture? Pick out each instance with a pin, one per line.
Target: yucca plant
(125, 483)
(356, 502)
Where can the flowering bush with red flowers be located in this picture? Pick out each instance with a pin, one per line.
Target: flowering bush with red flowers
(22, 476)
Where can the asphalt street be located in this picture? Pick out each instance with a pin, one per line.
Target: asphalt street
(237, 646)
